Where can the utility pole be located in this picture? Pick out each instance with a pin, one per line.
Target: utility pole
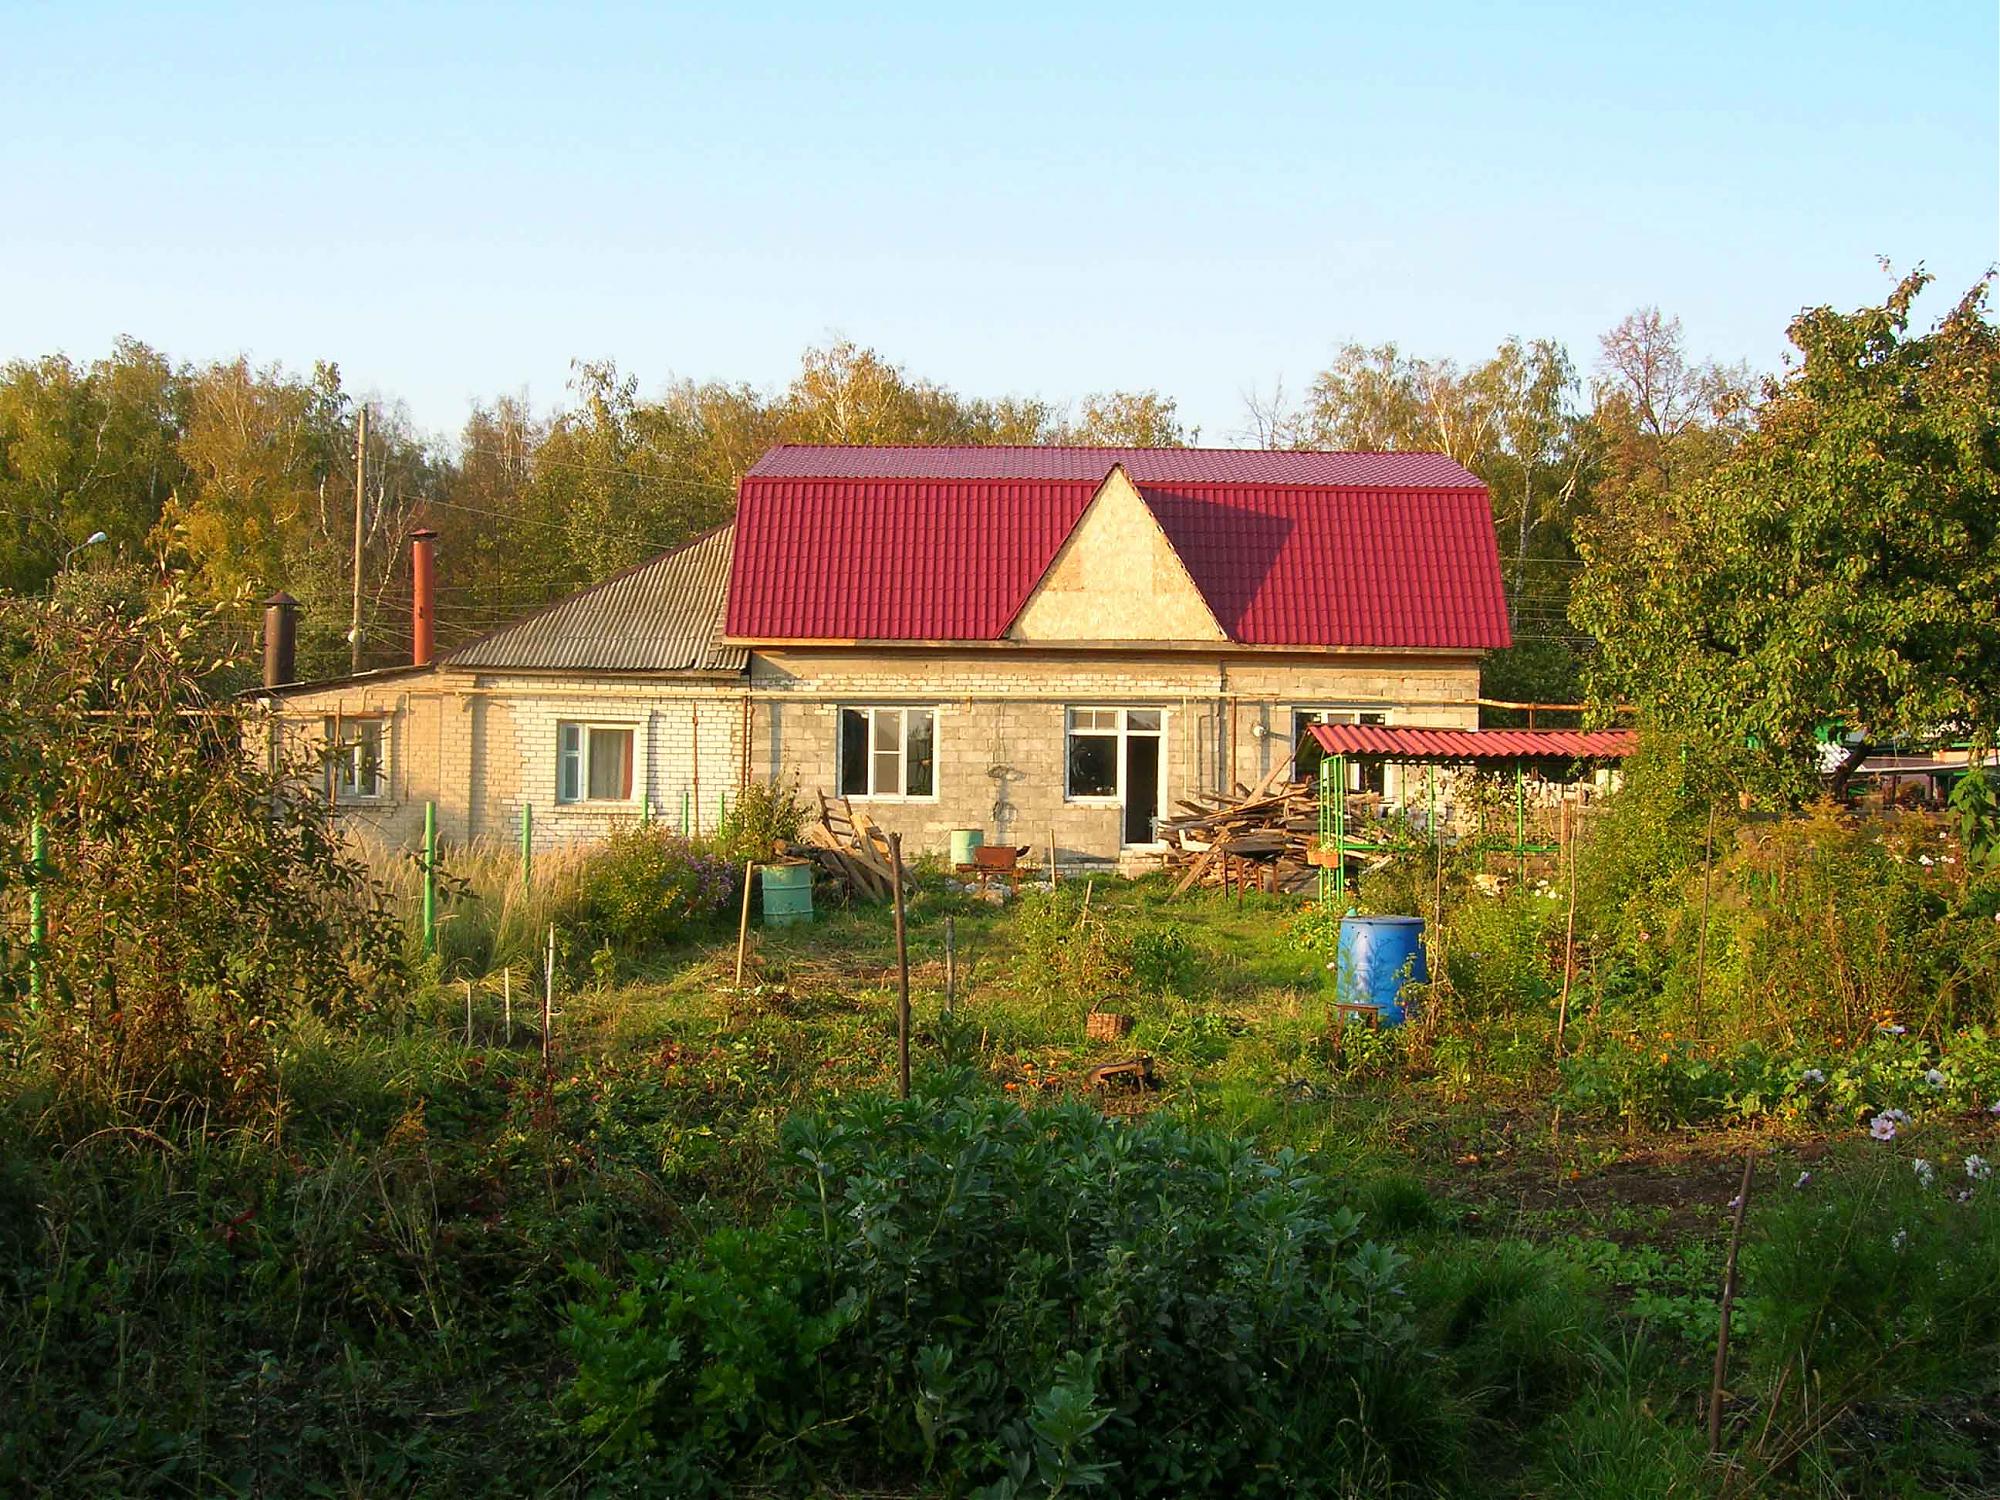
(360, 493)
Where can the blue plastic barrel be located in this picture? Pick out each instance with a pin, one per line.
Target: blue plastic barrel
(1376, 958)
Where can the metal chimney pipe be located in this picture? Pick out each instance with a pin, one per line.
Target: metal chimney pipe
(281, 640)
(423, 590)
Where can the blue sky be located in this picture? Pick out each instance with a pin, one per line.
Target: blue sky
(456, 201)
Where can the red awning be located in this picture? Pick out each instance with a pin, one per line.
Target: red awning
(1407, 743)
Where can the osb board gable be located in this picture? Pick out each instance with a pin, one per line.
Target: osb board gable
(1116, 577)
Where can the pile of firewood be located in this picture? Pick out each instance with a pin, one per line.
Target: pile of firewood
(1259, 839)
(849, 847)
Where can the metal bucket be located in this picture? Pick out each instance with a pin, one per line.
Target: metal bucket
(963, 842)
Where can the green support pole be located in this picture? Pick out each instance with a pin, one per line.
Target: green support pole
(430, 876)
(721, 810)
(1339, 827)
(1325, 826)
(684, 812)
(527, 844)
(38, 916)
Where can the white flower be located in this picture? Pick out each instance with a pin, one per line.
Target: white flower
(1965, 1196)
(1899, 1240)
(1935, 1078)
(1812, 1075)
(1977, 1168)
(1882, 1128)
(1804, 1178)
(1994, 1109)
(1923, 859)
(1734, 1203)
(1897, 1115)
(1926, 1173)
(1893, 1029)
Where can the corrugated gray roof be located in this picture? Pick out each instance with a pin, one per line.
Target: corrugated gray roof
(662, 616)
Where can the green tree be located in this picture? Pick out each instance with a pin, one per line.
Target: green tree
(84, 450)
(1842, 562)
(1127, 419)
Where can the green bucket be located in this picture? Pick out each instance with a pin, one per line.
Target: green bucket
(788, 893)
(963, 842)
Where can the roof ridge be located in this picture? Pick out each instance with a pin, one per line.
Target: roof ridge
(587, 590)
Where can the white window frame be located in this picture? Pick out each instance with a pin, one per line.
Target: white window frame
(1123, 734)
(902, 712)
(1334, 713)
(585, 728)
(343, 752)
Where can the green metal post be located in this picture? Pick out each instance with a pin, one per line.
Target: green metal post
(684, 811)
(38, 917)
(721, 809)
(1339, 826)
(1325, 892)
(527, 843)
(430, 876)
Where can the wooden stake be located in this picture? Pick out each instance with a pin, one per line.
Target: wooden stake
(902, 969)
(743, 924)
(548, 994)
(1701, 943)
(951, 963)
(360, 493)
(1569, 948)
(1084, 915)
(1052, 856)
(1728, 1301)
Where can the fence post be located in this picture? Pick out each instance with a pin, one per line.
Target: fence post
(527, 844)
(430, 876)
(902, 970)
(38, 914)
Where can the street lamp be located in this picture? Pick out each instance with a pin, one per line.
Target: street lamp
(90, 541)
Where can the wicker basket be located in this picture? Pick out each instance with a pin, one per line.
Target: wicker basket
(1106, 1026)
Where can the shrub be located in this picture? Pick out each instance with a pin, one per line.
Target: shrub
(645, 885)
(1095, 956)
(1877, 1285)
(764, 815)
(969, 1293)
(192, 906)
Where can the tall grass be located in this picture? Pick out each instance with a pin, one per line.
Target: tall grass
(488, 916)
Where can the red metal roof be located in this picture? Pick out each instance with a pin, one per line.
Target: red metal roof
(946, 544)
(1268, 466)
(1406, 743)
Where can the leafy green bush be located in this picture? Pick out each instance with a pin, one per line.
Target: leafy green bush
(764, 815)
(645, 885)
(1095, 956)
(1879, 1285)
(965, 1293)
(192, 905)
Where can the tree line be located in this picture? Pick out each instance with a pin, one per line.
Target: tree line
(240, 480)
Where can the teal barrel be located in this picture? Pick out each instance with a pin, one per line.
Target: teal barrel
(788, 893)
(1376, 958)
(963, 842)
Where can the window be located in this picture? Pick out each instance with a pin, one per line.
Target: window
(357, 760)
(1093, 752)
(593, 763)
(888, 752)
(1360, 777)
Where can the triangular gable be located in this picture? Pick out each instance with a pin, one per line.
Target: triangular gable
(1116, 577)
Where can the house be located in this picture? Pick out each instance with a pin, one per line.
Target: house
(1040, 643)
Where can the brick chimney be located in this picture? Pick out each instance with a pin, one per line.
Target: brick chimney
(423, 596)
